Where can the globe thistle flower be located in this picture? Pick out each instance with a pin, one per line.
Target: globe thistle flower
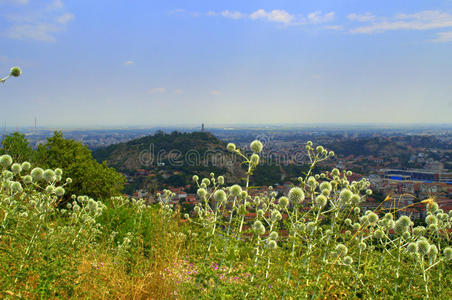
(296, 195)
(311, 227)
(320, 201)
(6, 160)
(58, 172)
(256, 146)
(231, 147)
(348, 222)
(16, 168)
(273, 235)
(220, 180)
(431, 219)
(423, 247)
(432, 206)
(433, 251)
(50, 189)
(15, 71)
(272, 244)
(242, 210)
(49, 175)
(378, 234)
(311, 181)
(275, 215)
(406, 235)
(348, 173)
(260, 212)
(448, 253)
(283, 202)
(201, 193)
(362, 246)
(432, 227)
(243, 194)
(372, 218)
(37, 174)
(356, 226)
(309, 143)
(404, 221)
(325, 186)
(412, 248)
(195, 178)
(25, 166)
(345, 195)
(319, 149)
(220, 196)
(205, 181)
(236, 190)
(341, 250)
(357, 210)
(92, 205)
(59, 191)
(254, 159)
(16, 187)
(356, 199)
(368, 192)
(68, 180)
(335, 172)
(348, 260)
(259, 228)
(419, 231)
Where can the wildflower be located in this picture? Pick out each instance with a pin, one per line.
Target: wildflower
(448, 253)
(16, 187)
(311, 181)
(195, 178)
(276, 215)
(256, 146)
(15, 71)
(59, 191)
(236, 190)
(348, 222)
(356, 199)
(356, 210)
(320, 201)
(419, 231)
(58, 172)
(325, 186)
(206, 181)
(220, 196)
(258, 227)
(272, 244)
(412, 248)
(6, 160)
(348, 260)
(345, 195)
(431, 219)
(68, 180)
(349, 173)
(231, 147)
(423, 247)
(319, 149)
(283, 202)
(368, 192)
(378, 234)
(433, 251)
(260, 213)
(372, 218)
(362, 246)
(16, 168)
(273, 235)
(220, 180)
(25, 166)
(49, 175)
(341, 249)
(243, 194)
(356, 226)
(201, 193)
(28, 179)
(296, 195)
(254, 159)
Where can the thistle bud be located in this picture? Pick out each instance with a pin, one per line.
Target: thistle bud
(256, 146)
(15, 71)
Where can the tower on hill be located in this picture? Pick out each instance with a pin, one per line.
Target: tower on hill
(202, 127)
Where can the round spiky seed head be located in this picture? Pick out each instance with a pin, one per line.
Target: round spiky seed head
(335, 172)
(372, 218)
(254, 159)
(448, 253)
(341, 249)
(349, 173)
(272, 244)
(201, 193)
(68, 180)
(220, 180)
(432, 206)
(276, 215)
(256, 146)
(311, 181)
(59, 191)
(58, 172)
(362, 246)
(49, 175)
(348, 222)
(423, 247)
(348, 260)
(356, 226)
(236, 190)
(28, 179)
(433, 252)
(50, 189)
(356, 199)
(325, 186)
(331, 153)
(15, 71)
(26, 166)
(6, 160)
(260, 212)
(378, 234)
(283, 202)
(16, 187)
(319, 149)
(345, 195)
(296, 195)
(404, 220)
(243, 194)
(37, 174)
(259, 228)
(206, 181)
(431, 219)
(220, 196)
(321, 201)
(231, 147)
(357, 210)
(16, 168)
(368, 192)
(195, 178)
(412, 248)
(432, 227)
(273, 235)
(419, 231)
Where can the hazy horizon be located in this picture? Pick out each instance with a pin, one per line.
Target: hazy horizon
(162, 63)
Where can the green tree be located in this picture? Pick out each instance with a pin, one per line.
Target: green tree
(89, 177)
(17, 146)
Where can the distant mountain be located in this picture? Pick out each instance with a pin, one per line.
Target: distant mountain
(170, 159)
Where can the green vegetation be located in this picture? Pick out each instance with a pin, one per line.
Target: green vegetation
(314, 242)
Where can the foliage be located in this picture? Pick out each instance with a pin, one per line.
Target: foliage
(16, 145)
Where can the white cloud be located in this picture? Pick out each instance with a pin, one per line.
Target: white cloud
(178, 91)
(157, 91)
(129, 62)
(361, 17)
(317, 17)
(232, 14)
(443, 37)
(276, 15)
(215, 92)
(39, 24)
(212, 13)
(39, 32)
(334, 27)
(424, 20)
(65, 18)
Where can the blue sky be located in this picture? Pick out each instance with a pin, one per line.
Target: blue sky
(115, 63)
